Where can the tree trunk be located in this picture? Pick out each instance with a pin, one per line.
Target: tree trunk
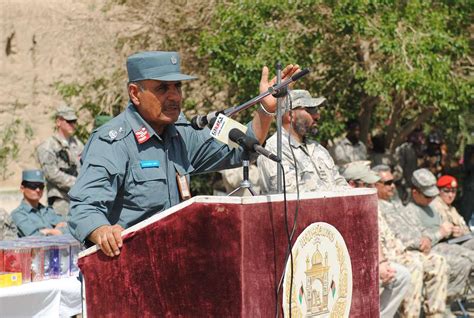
(367, 107)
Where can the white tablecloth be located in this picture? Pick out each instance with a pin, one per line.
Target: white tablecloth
(49, 298)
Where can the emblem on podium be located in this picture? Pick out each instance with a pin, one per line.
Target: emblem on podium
(322, 274)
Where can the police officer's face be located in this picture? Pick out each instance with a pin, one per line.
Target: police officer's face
(159, 103)
(32, 191)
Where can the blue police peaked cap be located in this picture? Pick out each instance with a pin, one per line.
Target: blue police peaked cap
(155, 65)
(32, 176)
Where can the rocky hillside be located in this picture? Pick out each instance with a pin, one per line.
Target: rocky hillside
(43, 43)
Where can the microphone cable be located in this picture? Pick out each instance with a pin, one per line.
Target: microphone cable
(289, 252)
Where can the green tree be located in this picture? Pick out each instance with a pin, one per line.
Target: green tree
(391, 64)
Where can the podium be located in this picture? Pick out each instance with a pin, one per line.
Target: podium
(224, 257)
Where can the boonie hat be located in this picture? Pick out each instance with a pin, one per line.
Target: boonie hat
(302, 98)
(66, 112)
(425, 181)
(447, 181)
(33, 175)
(155, 65)
(359, 170)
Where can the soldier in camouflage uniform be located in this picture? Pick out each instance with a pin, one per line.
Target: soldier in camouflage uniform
(448, 186)
(59, 157)
(314, 166)
(350, 148)
(429, 272)
(406, 226)
(8, 229)
(394, 278)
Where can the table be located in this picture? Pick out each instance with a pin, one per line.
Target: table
(49, 298)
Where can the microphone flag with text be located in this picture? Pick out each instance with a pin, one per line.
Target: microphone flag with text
(277, 90)
(232, 133)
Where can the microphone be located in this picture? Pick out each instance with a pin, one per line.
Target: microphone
(250, 144)
(199, 122)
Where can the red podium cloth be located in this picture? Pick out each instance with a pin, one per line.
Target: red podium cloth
(223, 257)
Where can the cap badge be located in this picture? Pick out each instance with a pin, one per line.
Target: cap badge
(174, 60)
(454, 184)
(142, 135)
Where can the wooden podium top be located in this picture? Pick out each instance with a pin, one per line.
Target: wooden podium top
(237, 200)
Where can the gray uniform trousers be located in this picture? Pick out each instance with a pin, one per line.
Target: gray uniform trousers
(393, 293)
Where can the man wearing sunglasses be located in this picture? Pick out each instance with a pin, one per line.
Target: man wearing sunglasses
(420, 228)
(59, 158)
(429, 271)
(31, 217)
(315, 167)
(394, 278)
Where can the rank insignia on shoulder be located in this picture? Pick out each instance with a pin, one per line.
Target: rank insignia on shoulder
(113, 134)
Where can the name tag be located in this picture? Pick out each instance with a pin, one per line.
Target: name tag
(149, 164)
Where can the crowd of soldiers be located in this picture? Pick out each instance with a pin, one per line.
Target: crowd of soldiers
(421, 268)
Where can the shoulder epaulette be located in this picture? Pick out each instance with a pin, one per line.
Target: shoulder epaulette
(111, 133)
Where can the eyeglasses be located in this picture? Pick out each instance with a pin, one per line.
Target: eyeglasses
(74, 121)
(387, 182)
(449, 190)
(33, 185)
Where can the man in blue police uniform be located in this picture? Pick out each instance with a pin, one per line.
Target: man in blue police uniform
(31, 217)
(133, 164)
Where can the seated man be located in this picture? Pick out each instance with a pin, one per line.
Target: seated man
(429, 272)
(394, 277)
(31, 217)
(442, 204)
(410, 225)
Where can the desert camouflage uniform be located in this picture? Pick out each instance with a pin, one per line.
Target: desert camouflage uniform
(429, 277)
(316, 169)
(406, 225)
(59, 159)
(449, 214)
(345, 152)
(8, 229)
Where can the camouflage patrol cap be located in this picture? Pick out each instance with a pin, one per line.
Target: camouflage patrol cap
(359, 170)
(155, 65)
(66, 112)
(302, 98)
(33, 175)
(425, 181)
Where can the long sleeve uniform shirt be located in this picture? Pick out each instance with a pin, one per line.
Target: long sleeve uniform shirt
(129, 172)
(30, 221)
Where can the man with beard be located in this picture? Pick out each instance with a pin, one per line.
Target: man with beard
(138, 164)
(350, 149)
(306, 163)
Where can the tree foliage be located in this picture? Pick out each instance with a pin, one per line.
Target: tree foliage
(392, 64)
